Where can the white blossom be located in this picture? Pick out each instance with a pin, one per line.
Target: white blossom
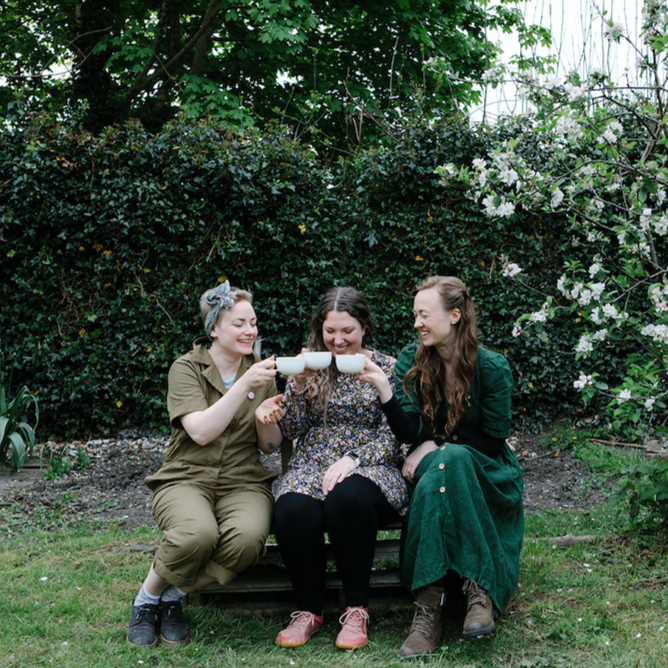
(568, 127)
(657, 296)
(649, 403)
(517, 330)
(575, 292)
(539, 316)
(595, 316)
(479, 163)
(599, 335)
(582, 382)
(610, 136)
(610, 311)
(596, 290)
(508, 176)
(624, 395)
(645, 219)
(506, 209)
(584, 345)
(557, 197)
(574, 92)
(594, 269)
(616, 127)
(585, 297)
(510, 269)
(659, 333)
(490, 207)
(561, 283)
(641, 248)
(613, 31)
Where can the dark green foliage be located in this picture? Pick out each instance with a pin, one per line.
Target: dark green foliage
(327, 68)
(107, 243)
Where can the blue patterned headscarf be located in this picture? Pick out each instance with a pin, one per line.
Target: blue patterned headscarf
(218, 298)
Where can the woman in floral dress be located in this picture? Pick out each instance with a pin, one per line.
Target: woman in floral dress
(343, 477)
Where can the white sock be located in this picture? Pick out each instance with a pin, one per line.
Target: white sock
(144, 597)
(172, 593)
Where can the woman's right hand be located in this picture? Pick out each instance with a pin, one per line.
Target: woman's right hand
(413, 460)
(260, 373)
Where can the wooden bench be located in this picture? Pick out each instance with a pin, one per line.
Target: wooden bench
(270, 578)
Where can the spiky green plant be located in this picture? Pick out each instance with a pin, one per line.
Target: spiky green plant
(15, 432)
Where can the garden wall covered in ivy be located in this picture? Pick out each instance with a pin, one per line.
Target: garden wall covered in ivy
(107, 242)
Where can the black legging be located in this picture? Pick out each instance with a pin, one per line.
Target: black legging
(351, 514)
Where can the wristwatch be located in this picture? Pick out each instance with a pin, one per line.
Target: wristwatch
(354, 456)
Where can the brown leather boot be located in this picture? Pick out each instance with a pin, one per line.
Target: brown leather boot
(426, 627)
(480, 613)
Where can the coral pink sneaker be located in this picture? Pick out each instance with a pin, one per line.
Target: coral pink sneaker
(353, 633)
(300, 629)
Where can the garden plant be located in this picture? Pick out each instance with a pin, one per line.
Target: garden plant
(608, 174)
(17, 435)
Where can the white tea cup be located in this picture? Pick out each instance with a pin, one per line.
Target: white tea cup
(318, 359)
(290, 365)
(350, 363)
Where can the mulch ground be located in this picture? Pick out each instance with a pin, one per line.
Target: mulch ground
(111, 486)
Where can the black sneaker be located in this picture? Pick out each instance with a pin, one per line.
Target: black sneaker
(141, 629)
(173, 626)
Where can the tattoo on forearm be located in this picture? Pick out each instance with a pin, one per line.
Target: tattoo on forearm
(271, 446)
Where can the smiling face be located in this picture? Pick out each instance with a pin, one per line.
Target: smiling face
(432, 321)
(236, 329)
(342, 334)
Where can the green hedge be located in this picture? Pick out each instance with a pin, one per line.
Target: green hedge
(107, 243)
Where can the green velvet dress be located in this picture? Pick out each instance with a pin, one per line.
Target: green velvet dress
(466, 511)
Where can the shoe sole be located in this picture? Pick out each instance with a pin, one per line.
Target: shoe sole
(469, 635)
(136, 644)
(301, 644)
(342, 646)
(173, 643)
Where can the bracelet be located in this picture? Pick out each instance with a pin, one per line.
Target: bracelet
(354, 456)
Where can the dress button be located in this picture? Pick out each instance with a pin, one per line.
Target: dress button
(441, 466)
(442, 490)
(454, 437)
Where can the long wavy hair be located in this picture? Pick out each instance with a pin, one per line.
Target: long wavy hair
(427, 377)
(353, 302)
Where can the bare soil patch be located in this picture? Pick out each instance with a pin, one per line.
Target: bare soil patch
(111, 487)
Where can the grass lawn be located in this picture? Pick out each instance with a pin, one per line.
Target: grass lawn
(601, 602)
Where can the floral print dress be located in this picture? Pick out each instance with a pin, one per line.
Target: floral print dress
(355, 422)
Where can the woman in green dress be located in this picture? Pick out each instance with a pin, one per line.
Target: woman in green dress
(452, 404)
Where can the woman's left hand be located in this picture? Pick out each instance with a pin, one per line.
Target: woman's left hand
(270, 411)
(337, 472)
(374, 375)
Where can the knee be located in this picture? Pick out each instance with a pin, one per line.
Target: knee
(240, 548)
(193, 537)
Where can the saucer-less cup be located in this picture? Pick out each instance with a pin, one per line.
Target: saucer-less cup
(350, 363)
(290, 365)
(318, 360)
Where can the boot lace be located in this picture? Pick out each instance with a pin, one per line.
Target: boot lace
(424, 619)
(475, 593)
